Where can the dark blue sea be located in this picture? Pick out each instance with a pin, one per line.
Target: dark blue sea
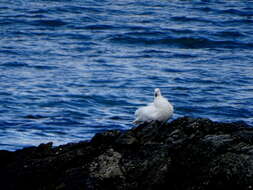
(72, 68)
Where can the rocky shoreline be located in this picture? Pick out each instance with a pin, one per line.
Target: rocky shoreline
(186, 154)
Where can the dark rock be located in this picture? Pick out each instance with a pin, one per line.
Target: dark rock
(127, 138)
(107, 137)
(186, 154)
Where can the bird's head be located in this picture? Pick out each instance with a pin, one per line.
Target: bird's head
(157, 92)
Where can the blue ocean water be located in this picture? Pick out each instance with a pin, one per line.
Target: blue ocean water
(72, 68)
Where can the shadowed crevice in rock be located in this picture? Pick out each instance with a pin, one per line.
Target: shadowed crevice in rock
(186, 154)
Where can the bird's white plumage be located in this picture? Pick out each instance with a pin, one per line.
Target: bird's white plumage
(160, 110)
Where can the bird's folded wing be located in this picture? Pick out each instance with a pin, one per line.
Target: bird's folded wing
(147, 113)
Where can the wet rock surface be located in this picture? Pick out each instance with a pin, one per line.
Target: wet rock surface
(186, 154)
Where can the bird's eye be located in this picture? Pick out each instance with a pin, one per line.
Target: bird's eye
(156, 94)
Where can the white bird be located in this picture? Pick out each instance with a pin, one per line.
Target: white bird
(160, 110)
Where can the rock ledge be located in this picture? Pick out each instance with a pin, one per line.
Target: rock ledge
(186, 154)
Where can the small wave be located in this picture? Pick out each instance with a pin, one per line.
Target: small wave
(44, 67)
(235, 22)
(49, 23)
(10, 21)
(22, 64)
(133, 27)
(88, 19)
(15, 64)
(170, 70)
(82, 9)
(62, 122)
(230, 34)
(72, 36)
(205, 9)
(38, 11)
(8, 52)
(183, 55)
(100, 27)
(189, 19)
(181, 31)
(238, 12)
(183, 42)
(66, 9)
(35, 117)
(147, 33)
(165, 54)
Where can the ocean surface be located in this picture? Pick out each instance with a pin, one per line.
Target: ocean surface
(72, 68)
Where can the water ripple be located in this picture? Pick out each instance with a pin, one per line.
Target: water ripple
(70, 69)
